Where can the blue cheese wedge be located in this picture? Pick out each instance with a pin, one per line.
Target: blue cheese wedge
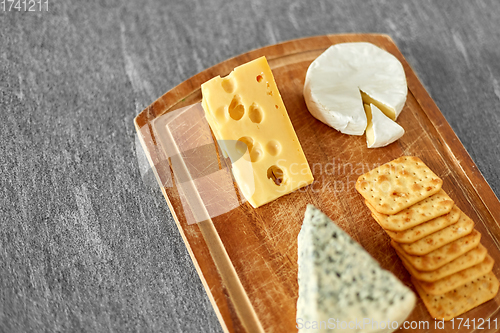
(341, 287)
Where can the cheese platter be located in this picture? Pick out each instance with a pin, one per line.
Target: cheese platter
(246, 254)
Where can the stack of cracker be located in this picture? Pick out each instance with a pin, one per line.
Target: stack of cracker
(436, 241)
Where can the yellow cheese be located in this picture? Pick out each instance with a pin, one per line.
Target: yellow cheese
(249, 120)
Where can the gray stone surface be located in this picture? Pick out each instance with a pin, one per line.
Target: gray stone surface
(87, 245)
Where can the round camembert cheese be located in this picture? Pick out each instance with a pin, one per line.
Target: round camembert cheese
(347, 75)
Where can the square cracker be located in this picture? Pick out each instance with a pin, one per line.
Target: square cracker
(420, 231)
(436, 205)
(397, 185)
(461, 299)
(461, 228)
(466, 260)
(458, 279)
(443, 255)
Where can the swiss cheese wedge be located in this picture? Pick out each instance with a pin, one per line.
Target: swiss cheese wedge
(247, 115)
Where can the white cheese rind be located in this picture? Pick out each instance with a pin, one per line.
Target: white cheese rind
(338, 279)
(334, 81)
(381, 130)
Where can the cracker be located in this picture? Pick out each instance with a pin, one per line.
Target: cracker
(466, 260)
(430, 208)
(397, 185)
(458, 279)
(461, 299)
(461, 228)
(420, 231)
(441, 256)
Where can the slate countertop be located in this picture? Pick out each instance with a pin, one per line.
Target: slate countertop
(86, 243)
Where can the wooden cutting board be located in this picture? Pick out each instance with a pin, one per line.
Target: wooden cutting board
(247, 258)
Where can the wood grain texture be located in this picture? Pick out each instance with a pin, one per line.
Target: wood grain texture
(86, 240)
(262, 243)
